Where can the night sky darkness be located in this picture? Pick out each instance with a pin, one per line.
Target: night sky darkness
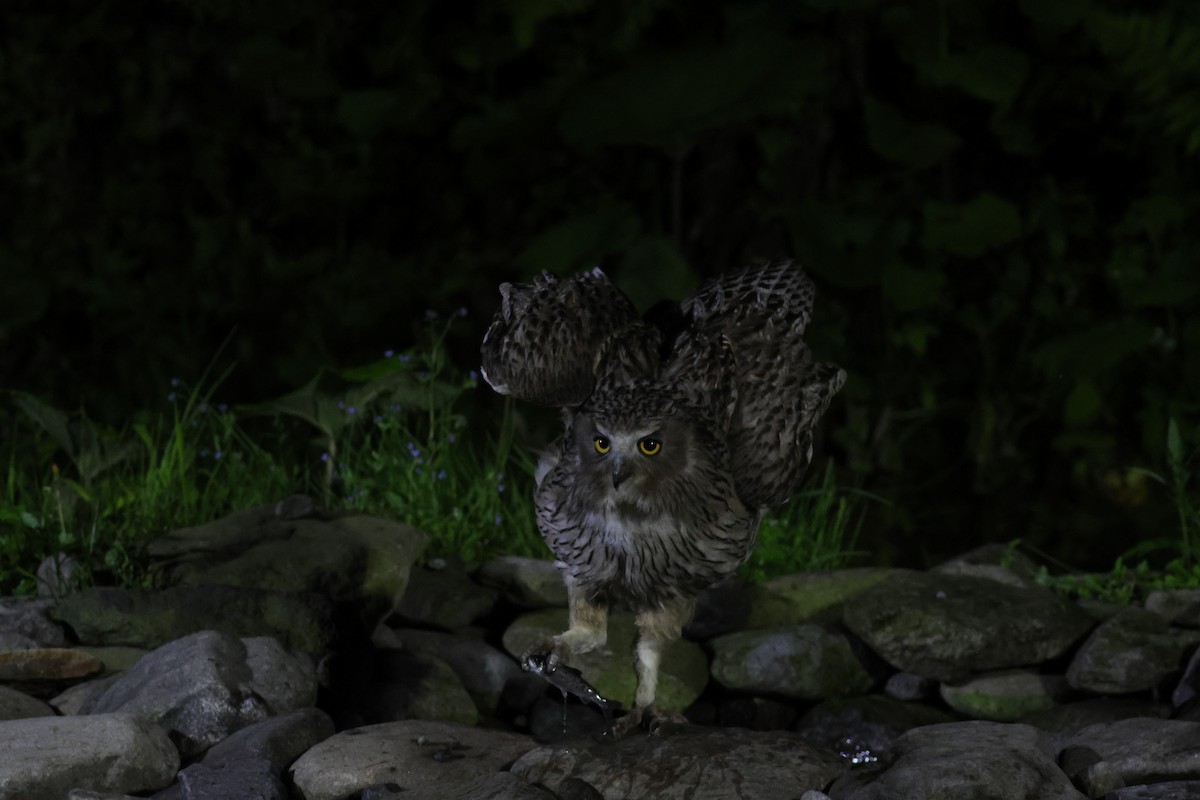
(996, 199)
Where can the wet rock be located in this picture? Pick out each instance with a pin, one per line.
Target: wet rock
(50, 756)
(803, 662)
(1144, 750)
(999, 761)
(57, 575)
(73, 698)
(18, 705)
(280, 740)
(482, 669)
(1005, 696)
(357, 561)
(525, 582)
(445, 598)
(995, 562)
(554, 718)
(88, 794)
(435, 758)
(1177, 606)
(720, 609)
(949, 626)
(286, 681)
(810, 596)
(142, 618)
(1169, 790)
(682, 676)
(394, 685)
(28, 620)
(1068, 718)
(245, 779)
(202, 688)
(909, 687)
(755, 713)
(47, 664)
(686, 762)
(1134, 651)
(1188, 687)
(872, 722)
(115, 659)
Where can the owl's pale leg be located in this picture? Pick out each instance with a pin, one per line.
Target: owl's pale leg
(586, 630)
(657, 628)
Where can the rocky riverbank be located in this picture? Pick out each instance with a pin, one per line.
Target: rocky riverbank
(297, 656)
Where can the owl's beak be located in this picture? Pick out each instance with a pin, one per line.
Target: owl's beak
(619, 473)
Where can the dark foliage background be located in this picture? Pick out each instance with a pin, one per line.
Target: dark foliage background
(997, 198)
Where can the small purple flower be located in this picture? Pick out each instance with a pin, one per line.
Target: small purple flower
(202, 452)
(342, 404)
(217, 455)
(351, 410)
(462, 311)
(451, 438)
(324, 456)
(171, 397)
(441, 475)
(404, 358)
(175, 382)
(389, 353)
(496, 520)
(473, 375)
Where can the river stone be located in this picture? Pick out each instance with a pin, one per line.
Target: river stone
(871, 722)
(280, 740)
(47, 664)
(1134, 651)
(682, 676)
(246, 779)
(686, 761)
(204, 687)
(1145, 750)
(1004, 696)
(948, 626)
(810, 596)
(1188, 687)
(29, 619)
(525, 582)
(18, 705)
(1178, 606)
(1168, 790)
(88, 794)
(483, 670)
(47, 757)
(148, 619)
(444, 598)
(974, 759)
(1064, 720)
(357, 560)
(803, 662)
(434, 758)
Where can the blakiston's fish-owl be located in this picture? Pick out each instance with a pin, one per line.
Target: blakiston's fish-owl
(682, 429)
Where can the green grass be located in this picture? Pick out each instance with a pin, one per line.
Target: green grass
(386, 438)
(815, 530)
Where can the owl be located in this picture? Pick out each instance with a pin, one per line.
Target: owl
(681, 429)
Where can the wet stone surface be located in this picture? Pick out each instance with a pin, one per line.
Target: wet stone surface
(331, 682)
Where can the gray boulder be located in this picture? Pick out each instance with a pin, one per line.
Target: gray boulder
(949, 626)
(803, 662)
(142, 618)
(206, 686)
(1144, 750)
(18, 705)
(444, 598)
(686, 762)
(280, 740)
(870, 724)
(810, 596)
(483, 670)
(28, 619)
(49, 756)
(245, 779)
(1005, 696)
(423, 758)
(1178, 606)
(1134, 651)
(1068, 718)
(998, 761)
(357, 561)
(525, 582)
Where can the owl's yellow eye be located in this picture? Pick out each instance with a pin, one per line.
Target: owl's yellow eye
(602, 445)
(649, 447)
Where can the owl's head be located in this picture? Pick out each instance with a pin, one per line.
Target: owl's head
(637, 441)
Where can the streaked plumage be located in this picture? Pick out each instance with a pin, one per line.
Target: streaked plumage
(676, 440)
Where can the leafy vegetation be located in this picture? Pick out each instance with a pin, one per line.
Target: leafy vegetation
(996, 199)
(388, 438)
